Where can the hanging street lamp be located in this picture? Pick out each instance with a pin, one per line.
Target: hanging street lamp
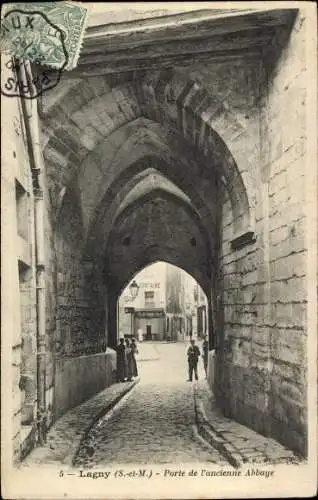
(134, 289)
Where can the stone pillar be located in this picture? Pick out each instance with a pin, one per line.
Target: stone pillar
(112, 320)
(211, 331)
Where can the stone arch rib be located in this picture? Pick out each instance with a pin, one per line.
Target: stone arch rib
(169, 97)
(158, 258)
(123, 179)
(166, 96)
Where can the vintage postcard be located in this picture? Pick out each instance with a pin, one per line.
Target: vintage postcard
(159, 250)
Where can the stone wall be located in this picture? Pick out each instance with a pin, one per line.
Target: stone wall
(18, 280)
(76, 322)
(79, 310)
(285, 166)
(261, 374)
(78, 378)
(50, 294)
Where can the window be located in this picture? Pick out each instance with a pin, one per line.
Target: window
(149, 299)
(22, 210)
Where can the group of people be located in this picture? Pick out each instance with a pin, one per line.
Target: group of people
(127, 364)
(126, 360)
(193, 353)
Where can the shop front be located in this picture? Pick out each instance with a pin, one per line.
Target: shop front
(151, 322)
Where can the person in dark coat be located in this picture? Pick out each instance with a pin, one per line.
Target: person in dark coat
(193, 354)
(134, 350)
(129, 361)
(205, 354)
(121, 365)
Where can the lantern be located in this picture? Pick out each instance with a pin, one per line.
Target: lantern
(134, 289)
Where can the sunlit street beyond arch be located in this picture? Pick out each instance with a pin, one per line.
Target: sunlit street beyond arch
(162, 302)
(156, 423)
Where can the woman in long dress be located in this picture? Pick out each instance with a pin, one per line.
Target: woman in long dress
(129, 360)
(134, 350)
(121, 365)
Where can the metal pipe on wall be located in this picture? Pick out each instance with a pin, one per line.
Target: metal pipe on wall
(30, 113)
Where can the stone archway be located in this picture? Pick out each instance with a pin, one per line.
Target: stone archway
(166, 97)
(107, 138)
(169, 97)
(139, 237)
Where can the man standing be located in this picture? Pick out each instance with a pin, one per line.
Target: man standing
(205, 354)
(193, 354)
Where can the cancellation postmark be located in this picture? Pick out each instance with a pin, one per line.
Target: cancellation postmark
(47, 34)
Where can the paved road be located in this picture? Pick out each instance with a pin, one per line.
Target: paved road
(156, 424)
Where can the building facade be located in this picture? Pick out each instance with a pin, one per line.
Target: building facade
(186, 306)
(20, 271)
(166, 305)
(143, 316)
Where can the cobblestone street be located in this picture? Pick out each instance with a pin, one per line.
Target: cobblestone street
(162, 419)
(156, 424)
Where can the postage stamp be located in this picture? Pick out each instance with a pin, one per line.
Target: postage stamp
(32, 85)
(47, 33)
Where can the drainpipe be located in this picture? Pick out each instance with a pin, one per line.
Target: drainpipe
(30, 113)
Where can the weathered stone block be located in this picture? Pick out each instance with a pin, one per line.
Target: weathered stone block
(277, 183)
(241, 353)
(296, 190)
(255, 382)
(74, 100)
(294, 265)
(282, 314)
(291, 290)
(89, 137)
(287, 371)
(249, 262)
(288, 411)
(27, 413)
(283, 216)
(261, 336)
(232, 281)
(287, 315)
(15, 374)
(250, 277)
(288, 345)
(260, 351)
(299, 314)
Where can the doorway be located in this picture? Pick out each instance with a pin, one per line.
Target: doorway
(148, 332)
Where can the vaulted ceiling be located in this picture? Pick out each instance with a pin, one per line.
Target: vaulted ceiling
(150, 150)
